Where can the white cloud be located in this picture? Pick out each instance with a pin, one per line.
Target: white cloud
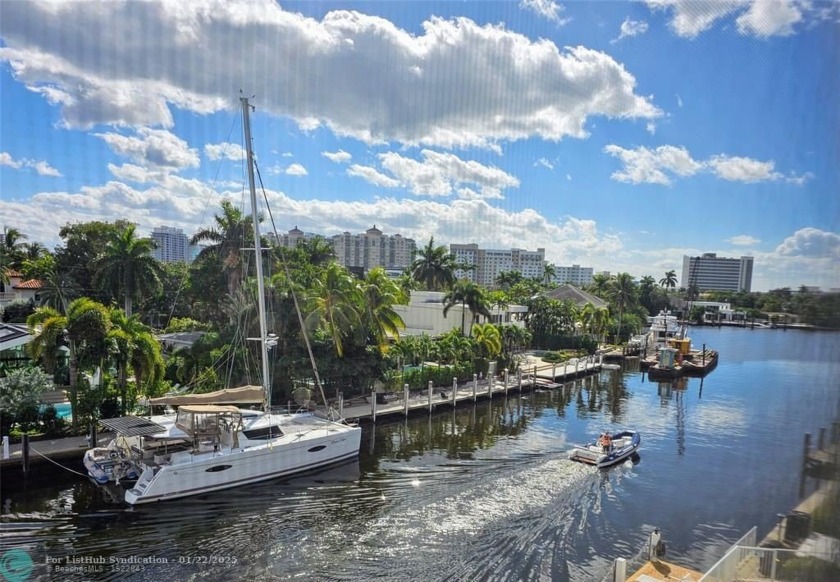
(544, 163)
(811, 242)
(548, 9)
(631, 28)
(762, 18)
(643, 165)
(530, 88)
(738, 169)
(769, 18)
(40, 166)
(372, 175)
(569, 177)
(339, 157)
(156, 147)
(650, 127)
(743, 240)
(679, 100)
(296, 170)
(440, 173)
(225, 150)
(657, 166)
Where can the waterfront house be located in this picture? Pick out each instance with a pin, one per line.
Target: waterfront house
(424, 314)
(18, 289)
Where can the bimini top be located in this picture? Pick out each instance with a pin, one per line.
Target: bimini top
(208, 409)
(242, 395)
(132, 426)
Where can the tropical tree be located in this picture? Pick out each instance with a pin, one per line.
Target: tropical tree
(669, 281)
(549, 272)
(469, 296)
(600, 284)
(622, 294)
(507, 279)
(317, 250)
(232, 233)
(334, 305)
(434, 267)
(83, 330)
(487, 339)
(134, 347)
(380, 294)
(128, 268)
(12, 248)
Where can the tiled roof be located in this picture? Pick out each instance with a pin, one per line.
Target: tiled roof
(577, 296)
(30, 284)
(13, 273)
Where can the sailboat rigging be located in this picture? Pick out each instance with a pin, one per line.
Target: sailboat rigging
(210, 444)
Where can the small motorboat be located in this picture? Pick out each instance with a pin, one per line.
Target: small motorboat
(608, 449)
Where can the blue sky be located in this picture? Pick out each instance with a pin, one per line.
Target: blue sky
(616, 135)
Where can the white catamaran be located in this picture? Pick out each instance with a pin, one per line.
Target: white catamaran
(210, 444)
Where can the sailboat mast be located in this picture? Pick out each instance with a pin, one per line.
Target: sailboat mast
(246, 122)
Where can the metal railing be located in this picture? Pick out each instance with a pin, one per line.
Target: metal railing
(744, 561)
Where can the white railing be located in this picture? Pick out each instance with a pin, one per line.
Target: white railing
(769, 564)
(725, 568)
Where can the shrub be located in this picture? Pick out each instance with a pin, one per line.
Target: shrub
(809, 569)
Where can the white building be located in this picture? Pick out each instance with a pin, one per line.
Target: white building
(373, 249)
(424, 314)
(294, 237)
(19, 289)
(574, 275)
(712, 273)
(172, 245)
(488, 264)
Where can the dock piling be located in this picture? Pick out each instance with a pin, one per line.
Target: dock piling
(405, 397)
(5, 448)
(821, 440)
(807, 449)
(519, 379)
(373, 406)
(341, 404)
(454, 391)
(475, 387)
(620, 571)
(835, 432)
(505, 373)
(431, 389)
(24, 457)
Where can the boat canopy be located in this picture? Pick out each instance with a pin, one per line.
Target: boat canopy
(208, 409)
(241, 395)
(132, 426)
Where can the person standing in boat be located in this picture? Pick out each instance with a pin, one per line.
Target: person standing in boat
(605, 441)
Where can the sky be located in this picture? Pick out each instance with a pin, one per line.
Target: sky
(615, 135)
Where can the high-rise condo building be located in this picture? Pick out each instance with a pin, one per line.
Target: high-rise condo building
(712, 273)
(486, 265)
(172, 245)
(373, 249)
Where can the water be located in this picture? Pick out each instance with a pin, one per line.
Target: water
(485, 492)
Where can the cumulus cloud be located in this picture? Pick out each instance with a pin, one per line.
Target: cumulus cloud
(296, 170)
(657, 166)
(738, 169)
(528, 88)
(548, 9)
(743, 240)
(154, 147)
(631, 28)
(811, 242)
(40, 166)
(762, 18)
(372, 175)
(650, 166)
(339, 157)
(544, 163)
(224, 150)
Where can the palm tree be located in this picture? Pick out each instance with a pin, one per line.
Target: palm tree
(600, 284)
(549, 272)
(507, 279)
(380, 296)
(12, 249)
(469, 296)
(233, 232)
(137, 348)
(317, 251)
(488, 339)
(84, 330)
(622, 293)
(670, 280)
(335, 305)
(128, 267)
(434, 267)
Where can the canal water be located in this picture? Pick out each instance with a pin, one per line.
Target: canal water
(485, 492)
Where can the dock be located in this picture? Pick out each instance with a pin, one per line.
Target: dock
(539, 374)
(663, 570)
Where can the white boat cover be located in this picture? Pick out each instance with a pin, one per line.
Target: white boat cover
(242, 395)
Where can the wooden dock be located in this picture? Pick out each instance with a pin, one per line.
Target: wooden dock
(663, 570)
(539, 375)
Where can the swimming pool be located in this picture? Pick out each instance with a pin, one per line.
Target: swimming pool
(62, 409)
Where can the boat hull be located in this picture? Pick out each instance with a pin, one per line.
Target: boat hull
(217, 471)
(627, 444)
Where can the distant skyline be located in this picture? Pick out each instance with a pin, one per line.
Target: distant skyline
(616, 135)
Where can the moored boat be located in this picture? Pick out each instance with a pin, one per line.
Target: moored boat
(608, 449)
